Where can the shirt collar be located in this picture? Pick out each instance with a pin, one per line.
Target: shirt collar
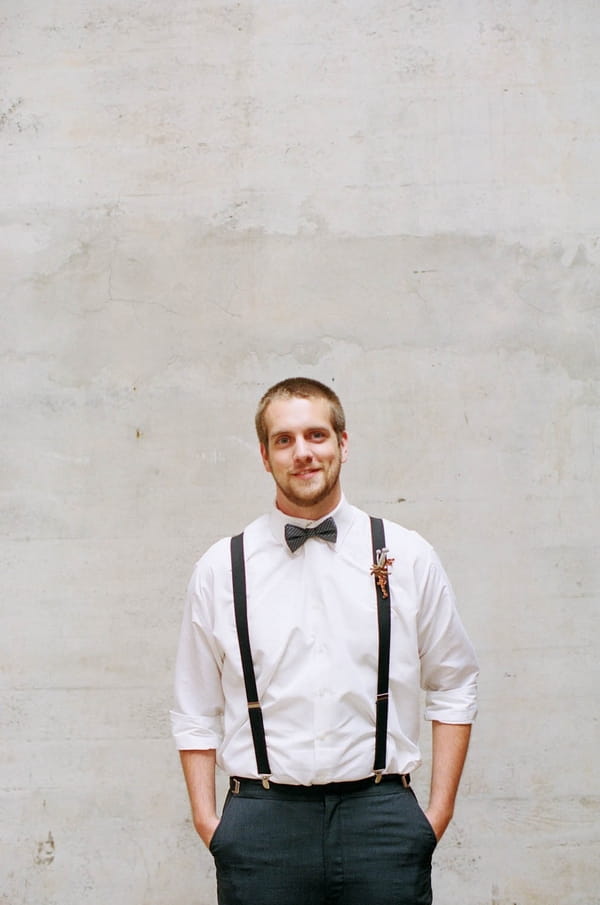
(342, 515)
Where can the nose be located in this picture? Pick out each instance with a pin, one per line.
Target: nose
(302, 449)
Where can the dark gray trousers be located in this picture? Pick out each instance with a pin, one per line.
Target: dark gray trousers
(315, 846)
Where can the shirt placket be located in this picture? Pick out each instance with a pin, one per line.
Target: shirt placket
(320, 653)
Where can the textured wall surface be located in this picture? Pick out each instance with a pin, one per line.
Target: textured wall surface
(198, 199)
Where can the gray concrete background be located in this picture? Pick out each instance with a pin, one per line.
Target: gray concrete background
(398, 198)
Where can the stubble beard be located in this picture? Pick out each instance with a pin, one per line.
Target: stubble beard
(312, 498)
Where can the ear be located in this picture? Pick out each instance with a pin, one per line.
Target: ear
(344, 446)
(265, 458)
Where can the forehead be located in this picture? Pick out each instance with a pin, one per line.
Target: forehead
(297, 414)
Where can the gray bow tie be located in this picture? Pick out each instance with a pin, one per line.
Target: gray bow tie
(296, 536)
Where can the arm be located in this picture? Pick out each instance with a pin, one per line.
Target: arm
(199, 772)
(198, 700)
(449, 674)
(449, 750)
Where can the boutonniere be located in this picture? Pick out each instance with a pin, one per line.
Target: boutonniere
(381, 569)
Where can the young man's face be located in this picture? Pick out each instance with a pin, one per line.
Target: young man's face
(304, 456)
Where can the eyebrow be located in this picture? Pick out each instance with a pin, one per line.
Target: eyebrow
(314, 427)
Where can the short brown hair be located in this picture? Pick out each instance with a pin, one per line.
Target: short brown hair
(304, 388)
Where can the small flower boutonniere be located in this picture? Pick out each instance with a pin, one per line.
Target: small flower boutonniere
(381, 569)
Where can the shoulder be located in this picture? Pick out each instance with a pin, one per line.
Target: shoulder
(402, 539)
(407, 539)
(410, 548)
(415, 553)
(217, 558)
(405, 545)
(213, 563)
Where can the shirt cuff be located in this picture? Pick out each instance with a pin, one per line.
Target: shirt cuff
(195, 733)
(458, 705)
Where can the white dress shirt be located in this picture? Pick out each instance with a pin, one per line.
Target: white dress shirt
(312, 619)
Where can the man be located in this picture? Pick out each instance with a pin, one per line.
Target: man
(284, 680)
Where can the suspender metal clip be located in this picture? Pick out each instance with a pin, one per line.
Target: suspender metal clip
(265, 781)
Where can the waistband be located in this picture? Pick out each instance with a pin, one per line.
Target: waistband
(255, 787)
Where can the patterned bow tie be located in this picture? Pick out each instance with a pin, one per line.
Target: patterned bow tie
(296, 536)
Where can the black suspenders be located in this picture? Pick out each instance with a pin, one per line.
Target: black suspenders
(383, 668)
(383, 665)
(241, 622)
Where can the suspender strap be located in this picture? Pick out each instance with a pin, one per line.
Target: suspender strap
(241, 621)
(383, 666)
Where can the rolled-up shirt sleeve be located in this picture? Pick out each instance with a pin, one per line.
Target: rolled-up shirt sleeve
(197, 714)
(449, 669)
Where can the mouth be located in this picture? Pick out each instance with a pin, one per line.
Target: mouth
(305, 473)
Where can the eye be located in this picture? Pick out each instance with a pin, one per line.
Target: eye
(318, 435)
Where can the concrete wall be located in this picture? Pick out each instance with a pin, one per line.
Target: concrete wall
(200, 198)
